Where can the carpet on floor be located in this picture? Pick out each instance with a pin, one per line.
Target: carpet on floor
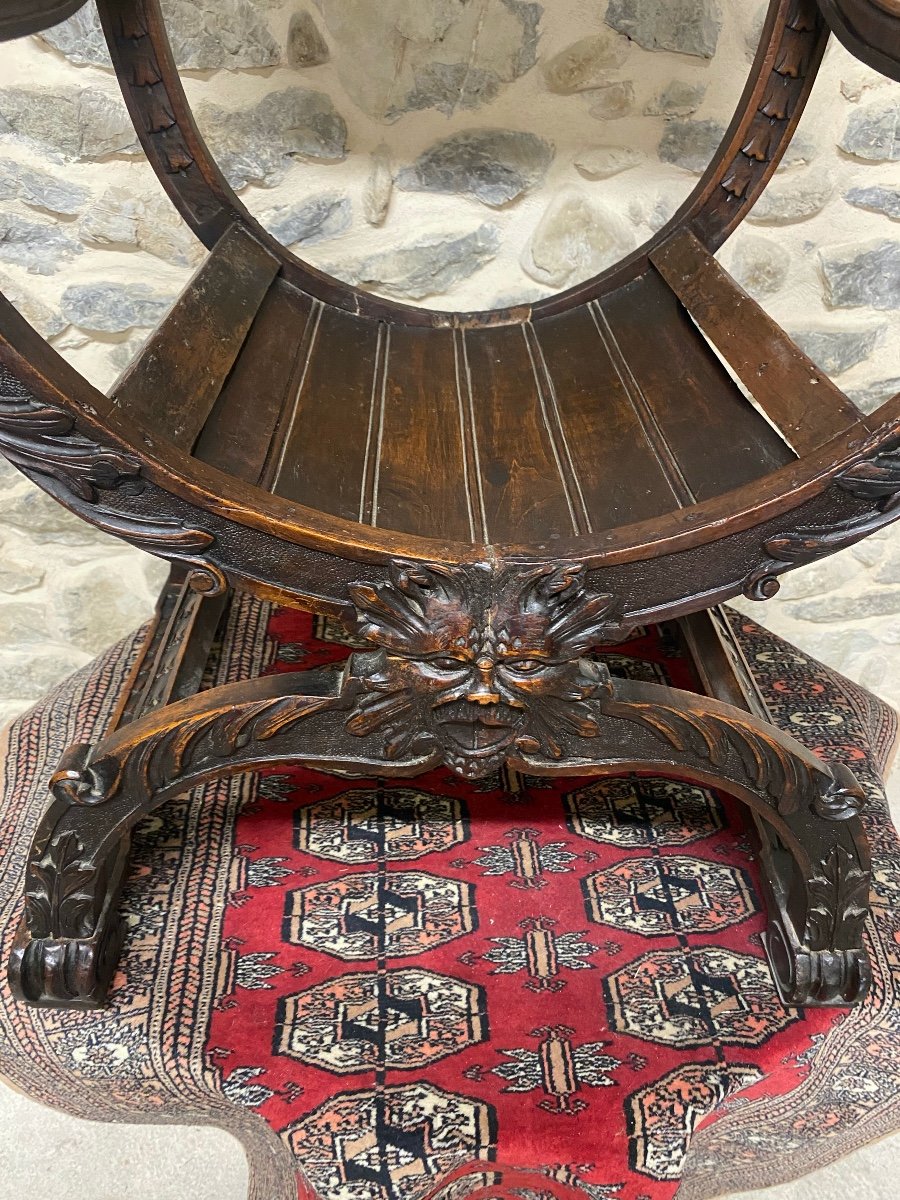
(437, 989)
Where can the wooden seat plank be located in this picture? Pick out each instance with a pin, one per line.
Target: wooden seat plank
(242, 432)
(799, 398)
(621, 475)
(525, 476)
(327, 439)
(423, 482)
(716, 439)
(172, 385)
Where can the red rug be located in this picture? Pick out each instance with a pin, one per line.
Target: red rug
(439, 988)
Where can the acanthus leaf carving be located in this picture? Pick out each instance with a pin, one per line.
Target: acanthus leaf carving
(169, 537)
(44, 439)
(839, 898)
(770, 767)
(60, 897)
(875, 480)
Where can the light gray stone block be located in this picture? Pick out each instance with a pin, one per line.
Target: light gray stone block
(872, 397)
(495, 166)
(602, 162)
(679, 99)
(423, 268)
(613, 101)
(873, 132)
(39, 189)
(379, 186)
(837, 350)
(691, 144)
(862, 276)
(310, 220)
(795, 196)
(586, 64)
(306, 47)
(422, 54)
(685, 26)
(760, 265)
(113, 307)
(206, 35)
(39, 247)
(256, 144)
(576, 238)
(884, 200)
(82, 123)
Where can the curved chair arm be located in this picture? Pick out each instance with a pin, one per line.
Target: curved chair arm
(870, 29)
(19, 18)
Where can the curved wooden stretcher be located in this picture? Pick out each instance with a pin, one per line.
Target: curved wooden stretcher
(483, 496)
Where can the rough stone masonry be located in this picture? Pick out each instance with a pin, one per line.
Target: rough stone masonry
(454, 153)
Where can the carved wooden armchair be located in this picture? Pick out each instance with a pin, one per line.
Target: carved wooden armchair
(482, 497)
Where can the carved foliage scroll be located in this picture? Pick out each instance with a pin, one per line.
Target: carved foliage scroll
(875, 481)
(39, 437)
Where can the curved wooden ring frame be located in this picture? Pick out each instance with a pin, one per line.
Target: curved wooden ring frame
(792, 43)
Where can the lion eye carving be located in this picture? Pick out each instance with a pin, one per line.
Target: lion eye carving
(448, 665)
(525, 666)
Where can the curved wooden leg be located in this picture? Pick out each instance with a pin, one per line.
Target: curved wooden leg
(814, 848)
(70, 937)
(69, 940)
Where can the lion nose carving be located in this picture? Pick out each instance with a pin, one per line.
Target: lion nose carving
(483, 690)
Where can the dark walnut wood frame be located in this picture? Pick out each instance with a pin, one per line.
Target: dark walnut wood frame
(483, 497)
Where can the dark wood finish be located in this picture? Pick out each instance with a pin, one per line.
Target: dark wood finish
(786, 384)
(445, 684)
(422, 414)
(179, 374)
(870, 29)
(711, 439)
(484, 496)
(245, 428)
(175, 650)
(18, 18)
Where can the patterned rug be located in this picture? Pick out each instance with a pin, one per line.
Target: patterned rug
(439, 989)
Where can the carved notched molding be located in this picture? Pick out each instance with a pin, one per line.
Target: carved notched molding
(784, 88)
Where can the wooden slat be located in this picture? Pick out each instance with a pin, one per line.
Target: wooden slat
(787, 385)
(242, 430)
(422, 485)
(329, 452)
(621, 476)
(714, 437)
(173, 384)
(524, 476)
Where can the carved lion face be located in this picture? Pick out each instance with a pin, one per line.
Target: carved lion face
(477, 660)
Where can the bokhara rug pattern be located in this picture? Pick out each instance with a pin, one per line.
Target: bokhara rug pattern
(441, 989)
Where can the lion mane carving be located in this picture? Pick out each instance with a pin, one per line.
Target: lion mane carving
(475, 661)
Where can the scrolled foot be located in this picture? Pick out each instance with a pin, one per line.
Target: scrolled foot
(68, 942)
(815, 978)
(65, 972)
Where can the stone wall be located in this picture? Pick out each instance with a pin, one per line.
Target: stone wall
(455, 153)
